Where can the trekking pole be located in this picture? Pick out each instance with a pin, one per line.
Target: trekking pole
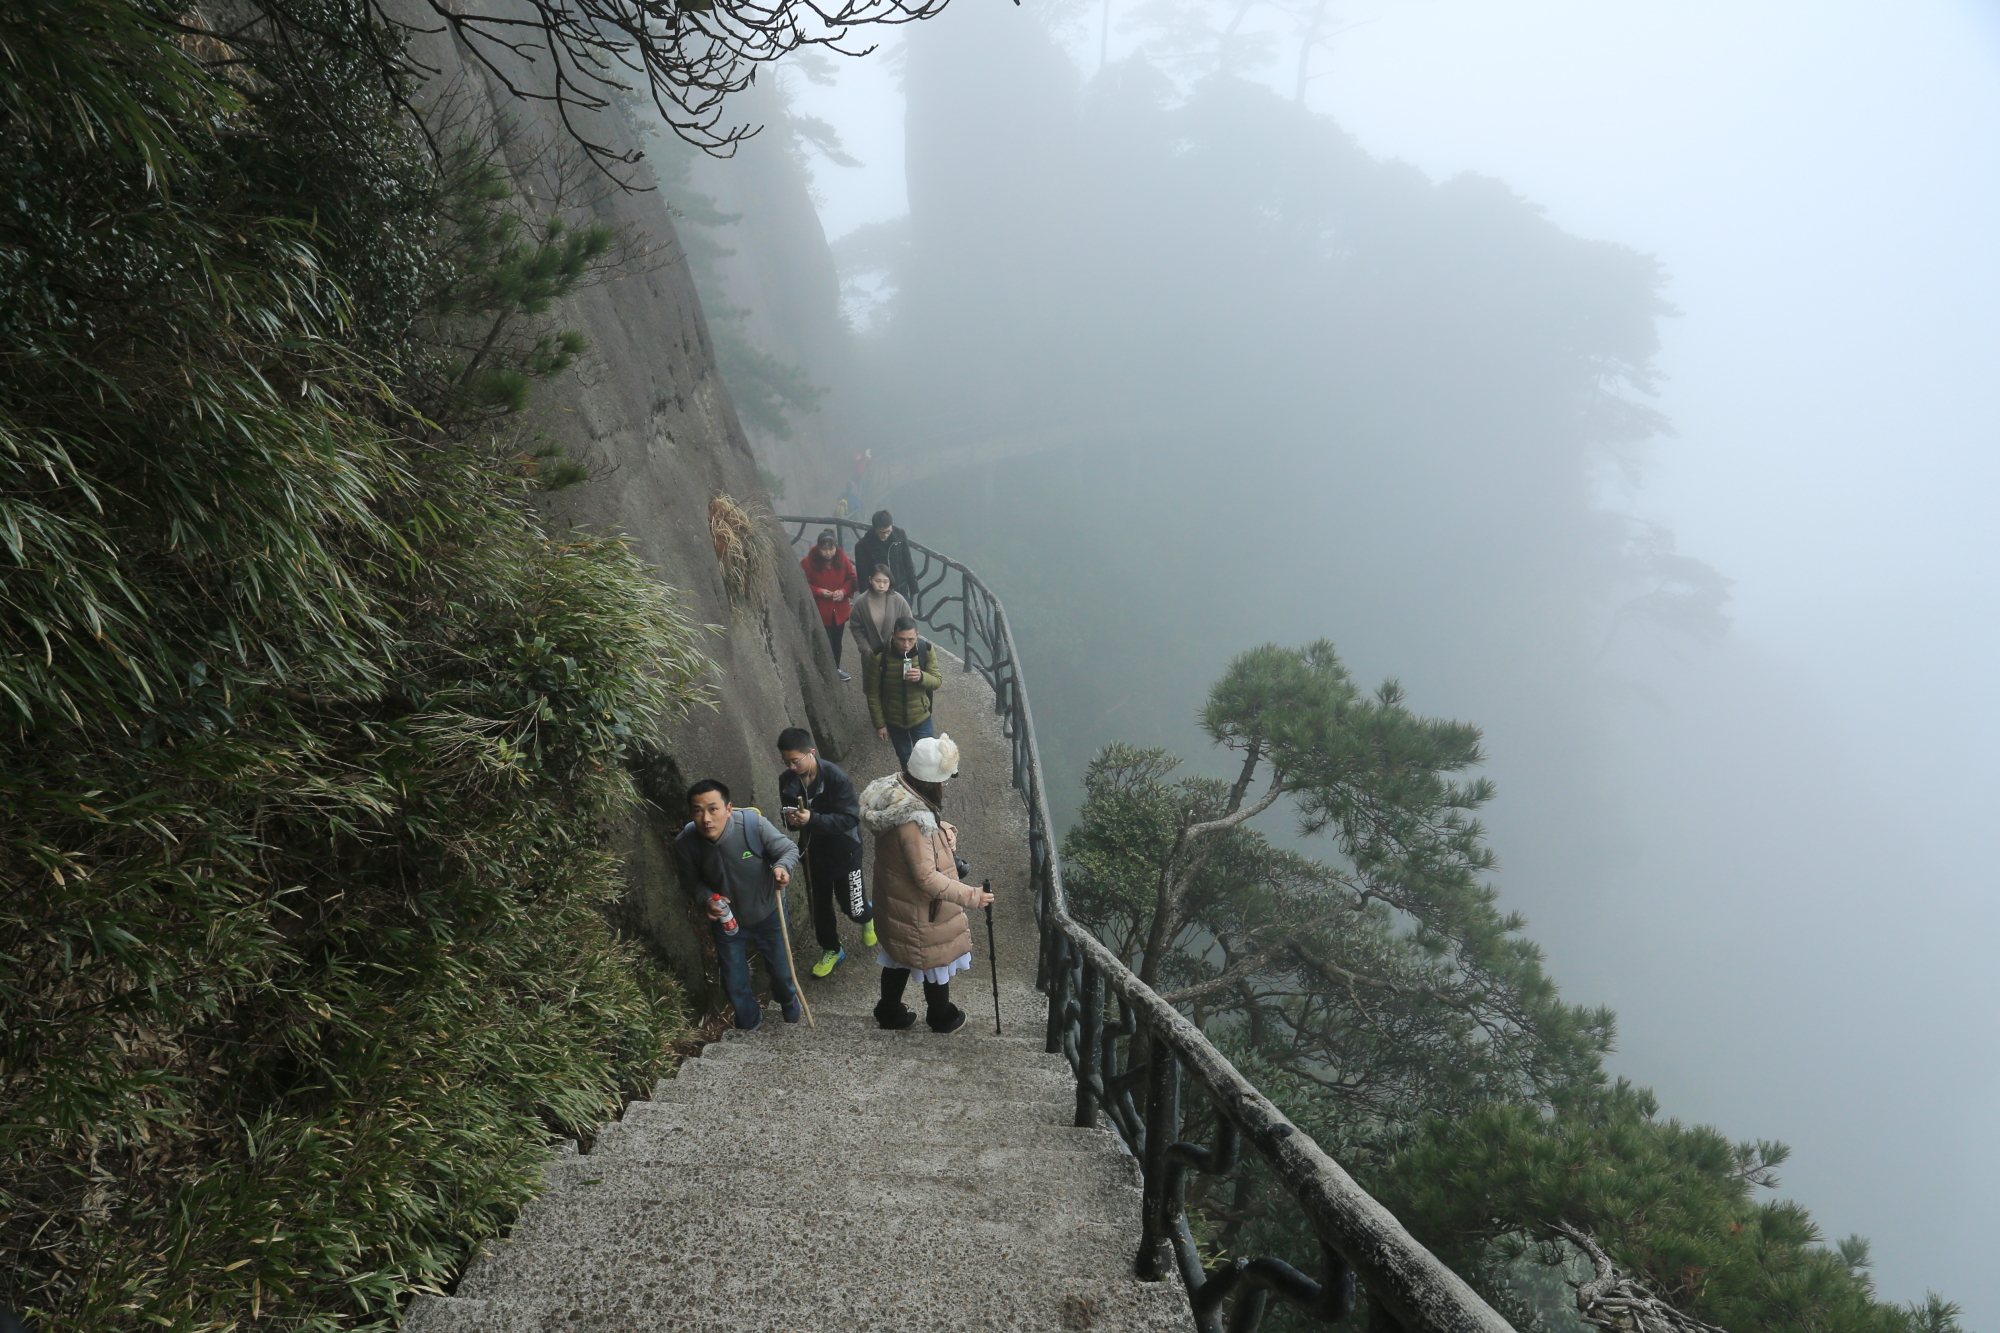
(993, 957)
(785, 929)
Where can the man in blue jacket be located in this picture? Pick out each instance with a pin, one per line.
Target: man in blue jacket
(820, 803)
(742, 856)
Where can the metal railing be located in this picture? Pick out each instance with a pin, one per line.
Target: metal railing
(1132, 1068)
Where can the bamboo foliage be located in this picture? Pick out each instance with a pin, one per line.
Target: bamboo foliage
(311, 727)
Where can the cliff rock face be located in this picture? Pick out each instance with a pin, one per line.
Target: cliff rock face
(647, 411)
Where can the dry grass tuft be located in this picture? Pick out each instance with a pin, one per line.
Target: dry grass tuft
(744, 547)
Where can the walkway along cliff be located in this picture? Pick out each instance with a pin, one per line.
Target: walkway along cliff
(905, 1181)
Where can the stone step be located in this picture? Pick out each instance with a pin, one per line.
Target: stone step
(863, 1055)
(645, 1122)
(633, 1186)
(860, 1046)
(697, 1252)
(1023, 1009)
(804, 1159)
(800, 1077)
(827, 1267)
(719, 1105)
(1113, 1305)
(861, 1031)
(857, 1013)
(1017, 1018)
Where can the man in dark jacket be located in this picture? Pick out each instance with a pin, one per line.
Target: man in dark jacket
(740, 855)
(820, 803)
(887, 544)
(899, 681)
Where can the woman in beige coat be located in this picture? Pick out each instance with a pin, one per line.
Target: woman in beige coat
(920, 906)
(876, 612)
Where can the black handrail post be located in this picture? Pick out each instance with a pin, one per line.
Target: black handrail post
(1045, 960)
(1087, 1046)
(1163, 1126)
(1117, 1098)
(1058, 989)
(965, 600)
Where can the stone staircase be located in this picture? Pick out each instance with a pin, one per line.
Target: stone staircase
(841, 1178)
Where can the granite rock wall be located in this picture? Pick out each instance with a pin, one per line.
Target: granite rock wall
(646, 410)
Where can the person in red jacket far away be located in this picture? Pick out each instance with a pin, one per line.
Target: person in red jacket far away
(831, 576)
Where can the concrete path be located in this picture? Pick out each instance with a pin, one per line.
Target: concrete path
(843, 1178)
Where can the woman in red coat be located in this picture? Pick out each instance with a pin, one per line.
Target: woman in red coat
(831, 576)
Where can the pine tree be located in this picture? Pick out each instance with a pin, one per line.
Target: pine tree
(1656, 1225)
(1389, 1006)
(1307, 955)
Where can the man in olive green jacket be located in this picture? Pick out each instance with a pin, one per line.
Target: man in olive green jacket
(899, 680)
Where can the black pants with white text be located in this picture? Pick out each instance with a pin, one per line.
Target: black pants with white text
(833, 884)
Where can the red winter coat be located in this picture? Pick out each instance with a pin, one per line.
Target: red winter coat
(828, 579)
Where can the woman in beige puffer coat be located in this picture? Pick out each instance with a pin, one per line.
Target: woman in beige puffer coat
(920, 919)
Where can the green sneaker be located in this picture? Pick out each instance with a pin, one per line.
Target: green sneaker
(868, 932)
(828, 961)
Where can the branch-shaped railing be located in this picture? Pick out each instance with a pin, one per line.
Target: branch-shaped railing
(1131, 1069)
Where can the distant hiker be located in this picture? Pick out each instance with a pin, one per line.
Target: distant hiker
(740, 856)
(849, 502)
(886, 544)
(831, 576)
(899, 681)
(876, 612)
(919, 899)
(819, 802)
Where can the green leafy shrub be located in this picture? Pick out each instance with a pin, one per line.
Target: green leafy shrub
(309, 728)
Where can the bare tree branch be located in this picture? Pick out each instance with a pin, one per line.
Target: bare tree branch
(584, 57)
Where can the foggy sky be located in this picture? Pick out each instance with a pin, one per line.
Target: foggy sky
(1810, 801)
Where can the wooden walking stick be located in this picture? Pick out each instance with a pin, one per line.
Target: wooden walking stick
(785, 929)
(993, 957)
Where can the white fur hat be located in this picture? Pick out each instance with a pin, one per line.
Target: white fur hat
(934, 759)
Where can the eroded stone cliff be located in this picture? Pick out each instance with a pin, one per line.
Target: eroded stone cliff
(646, 409)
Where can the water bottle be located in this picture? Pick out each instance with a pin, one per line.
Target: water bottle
(728, 921)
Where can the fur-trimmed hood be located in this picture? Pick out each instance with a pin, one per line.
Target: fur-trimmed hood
(886, 802)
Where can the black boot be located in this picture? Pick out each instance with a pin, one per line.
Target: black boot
(890, 1011)
(939, 1012)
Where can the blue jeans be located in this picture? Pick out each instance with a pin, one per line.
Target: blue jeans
(769, 938)
(905, 739)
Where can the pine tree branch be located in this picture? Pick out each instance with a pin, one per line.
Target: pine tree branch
(1244, 775)
(1235, 817)
(1236, 972)
(1619, 1302)
(471, 367)
(1175, 877)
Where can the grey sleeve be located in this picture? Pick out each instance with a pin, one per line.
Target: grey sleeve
(779, 850)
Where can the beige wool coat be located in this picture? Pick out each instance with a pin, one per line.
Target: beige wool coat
(919, 904)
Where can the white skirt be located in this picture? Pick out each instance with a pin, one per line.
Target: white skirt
(937, 976)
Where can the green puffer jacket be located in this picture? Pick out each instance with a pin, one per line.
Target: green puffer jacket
(893, 701)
